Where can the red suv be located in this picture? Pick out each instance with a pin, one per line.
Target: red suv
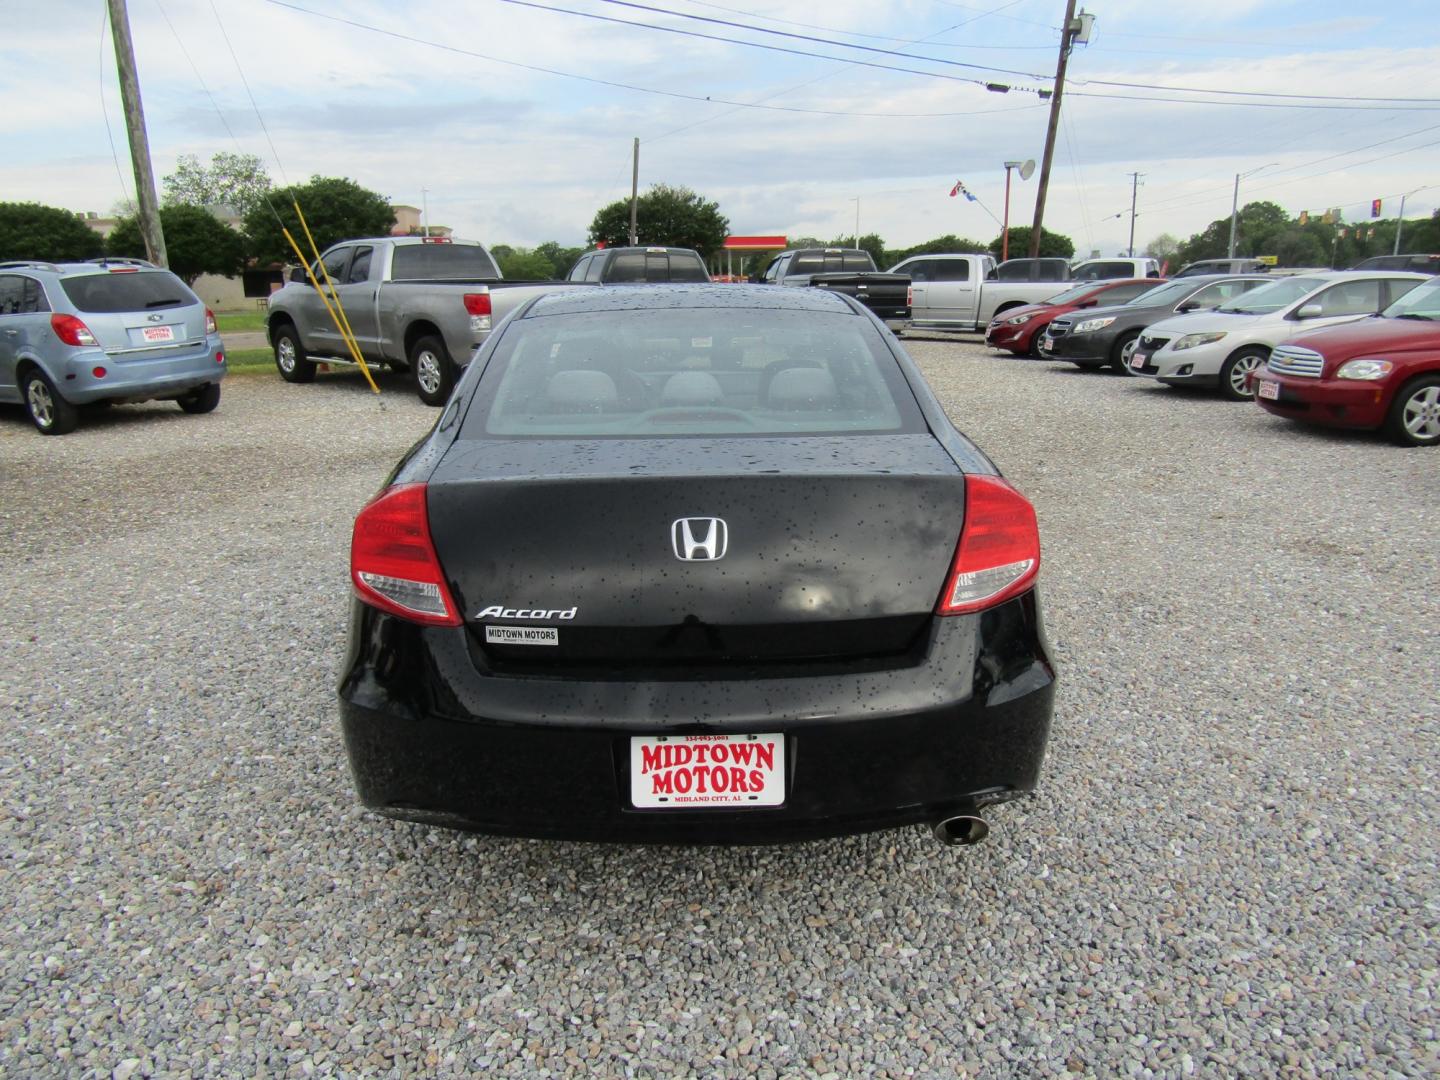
(1020, 329)
(1381, 372)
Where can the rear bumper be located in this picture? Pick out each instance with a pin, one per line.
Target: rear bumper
(432, 739)
(1334, 402)
(140, 379)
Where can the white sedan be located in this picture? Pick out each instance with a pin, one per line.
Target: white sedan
(1221, 347)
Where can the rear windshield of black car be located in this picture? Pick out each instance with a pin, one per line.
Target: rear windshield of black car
(832, 262)
(140, 290)
(655, 266)
(689, 372)
(466, 262)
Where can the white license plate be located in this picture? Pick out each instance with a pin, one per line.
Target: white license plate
(1139, 359)
(1047, 344)
(1270, 391)
(158, 333)
(682, 772)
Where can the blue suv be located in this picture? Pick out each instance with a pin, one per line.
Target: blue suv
(116, 330)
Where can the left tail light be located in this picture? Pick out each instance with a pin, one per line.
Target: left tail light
(71, 330)
(998, 556)
(479, 308)
(393, 564)
(210, 327)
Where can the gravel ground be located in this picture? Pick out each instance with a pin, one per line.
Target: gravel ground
(1230, 868)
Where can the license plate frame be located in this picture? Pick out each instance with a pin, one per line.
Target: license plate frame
(1047, 344)
(1138, 360)
(157, 335)
(661, 764)
(1267, 389)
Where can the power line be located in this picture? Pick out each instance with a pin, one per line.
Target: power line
(471, 53)
(774, 48)
(881, 37)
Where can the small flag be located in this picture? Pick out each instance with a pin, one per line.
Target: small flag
(1342, 234)
(960, 189)
(1374, 207)
(1304, 217)
(1370, 234)
(956, 189)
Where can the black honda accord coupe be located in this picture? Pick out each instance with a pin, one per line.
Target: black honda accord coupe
(695, 564)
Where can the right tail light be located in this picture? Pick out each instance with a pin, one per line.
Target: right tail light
(998, 556)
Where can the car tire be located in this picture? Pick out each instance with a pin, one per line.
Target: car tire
(433, 369)
(1414, 416)
(1122, 350)
(48, 411)
(291, 359)
(1237, 367)
(201, 401)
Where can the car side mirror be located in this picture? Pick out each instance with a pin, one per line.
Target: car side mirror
(1186, 307)
(298, 276)
(1089, 303)
(1310, 311)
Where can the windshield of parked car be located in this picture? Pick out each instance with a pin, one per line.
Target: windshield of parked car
(1272, 297)
(701, 371)
(127, 290)
(1421, 302)
(1071, 295)
(462, 262)
(1171, 292)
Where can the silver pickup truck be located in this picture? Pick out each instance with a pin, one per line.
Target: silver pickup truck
(421, 303)
(959, 292)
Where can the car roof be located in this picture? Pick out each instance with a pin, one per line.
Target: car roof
(698, 295)
(81, 269)
(648, 248)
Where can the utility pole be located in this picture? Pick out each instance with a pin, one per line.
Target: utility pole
(135, 126)
(1235, 205)
(1134, 185)
(1068, 33)
(1399, 225)
(425, 211)
(856, 201)
(634, 194)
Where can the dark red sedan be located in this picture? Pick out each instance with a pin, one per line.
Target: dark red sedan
(1381, 372)
(1019, 329)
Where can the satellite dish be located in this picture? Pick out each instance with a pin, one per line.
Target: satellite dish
(1027, 170)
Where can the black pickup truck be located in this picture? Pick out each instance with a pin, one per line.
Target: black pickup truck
(847, 270)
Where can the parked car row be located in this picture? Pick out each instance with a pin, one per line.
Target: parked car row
(1344, 348)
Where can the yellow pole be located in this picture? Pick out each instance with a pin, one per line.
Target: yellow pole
(354, 349)
(345, 331)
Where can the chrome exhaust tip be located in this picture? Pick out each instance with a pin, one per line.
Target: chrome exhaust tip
(962, 830)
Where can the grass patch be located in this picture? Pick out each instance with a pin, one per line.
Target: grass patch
(241, 322)
(249, 359)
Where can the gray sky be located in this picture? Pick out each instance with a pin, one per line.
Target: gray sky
(517, 122)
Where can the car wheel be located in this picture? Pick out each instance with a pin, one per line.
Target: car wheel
(201, 401)
(49, 412)
(434, 373)
(1123, 350)
(1414, 417)
(291, 359)
(1235, 373)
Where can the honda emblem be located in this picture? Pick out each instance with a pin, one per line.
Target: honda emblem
(699, 539)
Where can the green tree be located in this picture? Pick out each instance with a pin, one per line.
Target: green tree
(46, 233)
(235, 180)
(561, 258)
(519, 264)
(1052, 245)
(672, 216)
(195, 242)
(949, 244)
(336, 209)
(1257, 227)
(1163, 247)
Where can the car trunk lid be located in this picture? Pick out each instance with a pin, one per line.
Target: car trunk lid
(833, 548)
